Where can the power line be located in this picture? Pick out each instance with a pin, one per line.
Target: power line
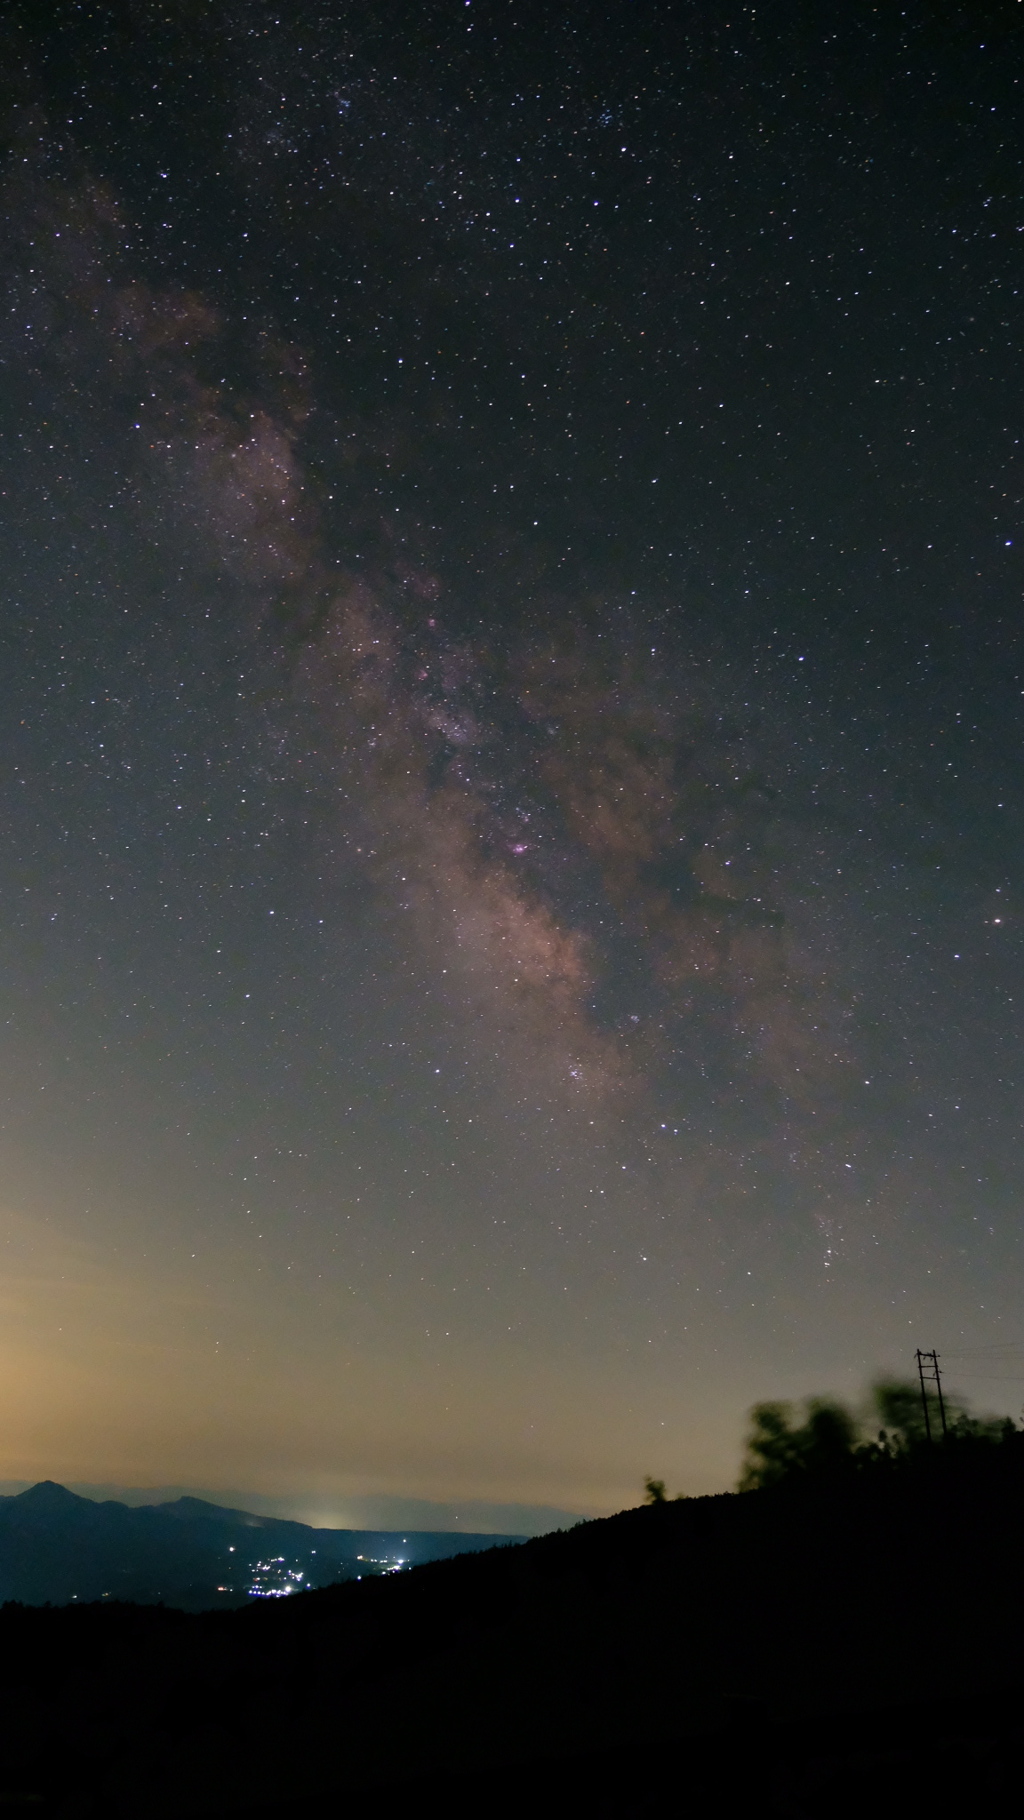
(984, 1377)
(985, 1352)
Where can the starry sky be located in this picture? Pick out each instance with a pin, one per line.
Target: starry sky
(512, 793)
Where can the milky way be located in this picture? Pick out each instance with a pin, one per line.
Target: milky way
(512, 778)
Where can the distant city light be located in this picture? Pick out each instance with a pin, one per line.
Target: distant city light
(275, 1580)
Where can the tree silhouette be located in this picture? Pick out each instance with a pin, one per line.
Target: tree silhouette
(779, 1447)
(827, 1438)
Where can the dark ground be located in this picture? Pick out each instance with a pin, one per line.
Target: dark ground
(845, 1649)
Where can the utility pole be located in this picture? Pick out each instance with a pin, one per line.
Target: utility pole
(928, 1373)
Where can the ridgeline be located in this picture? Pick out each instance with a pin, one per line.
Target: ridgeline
(839, 1644)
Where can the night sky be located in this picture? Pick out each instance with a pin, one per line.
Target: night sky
(513, 692)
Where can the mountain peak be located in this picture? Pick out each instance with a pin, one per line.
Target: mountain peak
(188, 1509)
(48, 1495)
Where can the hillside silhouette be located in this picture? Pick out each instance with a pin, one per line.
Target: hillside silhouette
(833, 1645)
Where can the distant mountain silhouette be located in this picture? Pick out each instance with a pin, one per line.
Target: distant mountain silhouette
(58, 1548)
(47, 1496)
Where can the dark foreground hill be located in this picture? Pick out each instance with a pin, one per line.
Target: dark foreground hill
(819, 1652)
(57, 1548)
